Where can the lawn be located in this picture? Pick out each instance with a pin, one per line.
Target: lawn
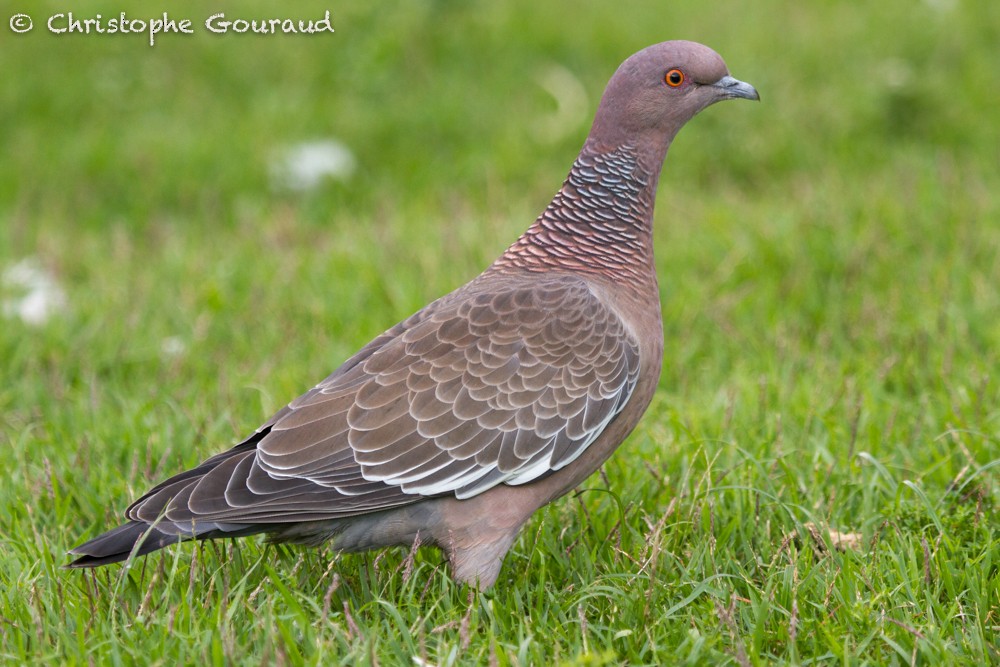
(817, 480)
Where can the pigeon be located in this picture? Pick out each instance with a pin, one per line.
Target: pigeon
(454, 426)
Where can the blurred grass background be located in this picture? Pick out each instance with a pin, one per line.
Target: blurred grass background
(829, 265)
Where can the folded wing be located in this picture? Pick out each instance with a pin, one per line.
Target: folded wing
(499, 386)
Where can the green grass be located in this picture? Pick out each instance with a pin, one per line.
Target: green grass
(829, 259)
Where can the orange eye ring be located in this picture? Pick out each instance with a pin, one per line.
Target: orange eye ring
(674, 78)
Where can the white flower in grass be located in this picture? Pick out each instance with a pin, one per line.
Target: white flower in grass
(941, 5)
(172, 346)
(38, 295)
(304, 166)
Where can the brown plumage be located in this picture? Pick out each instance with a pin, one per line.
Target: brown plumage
(458, 423)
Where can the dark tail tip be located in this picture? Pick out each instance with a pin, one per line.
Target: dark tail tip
(118, 544)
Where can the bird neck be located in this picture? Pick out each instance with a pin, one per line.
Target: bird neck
(600, 221)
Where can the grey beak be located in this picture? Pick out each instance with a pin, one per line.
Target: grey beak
(732, 88)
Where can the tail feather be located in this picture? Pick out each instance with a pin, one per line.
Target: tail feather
(118, 544)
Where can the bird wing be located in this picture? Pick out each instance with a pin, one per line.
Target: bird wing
(483, 387)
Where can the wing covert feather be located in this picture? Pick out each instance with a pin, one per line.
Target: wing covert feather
(478, 389)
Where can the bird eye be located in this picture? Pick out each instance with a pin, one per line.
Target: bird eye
(674, 78)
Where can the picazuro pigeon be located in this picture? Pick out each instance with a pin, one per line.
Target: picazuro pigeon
(456, 424)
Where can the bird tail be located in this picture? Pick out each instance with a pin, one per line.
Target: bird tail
(118, 544)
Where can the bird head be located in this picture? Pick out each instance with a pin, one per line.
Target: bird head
(655, 91)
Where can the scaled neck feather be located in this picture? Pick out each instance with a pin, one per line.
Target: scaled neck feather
(600, 221)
